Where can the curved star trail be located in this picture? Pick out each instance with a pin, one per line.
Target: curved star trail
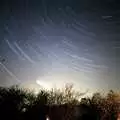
(81, 46)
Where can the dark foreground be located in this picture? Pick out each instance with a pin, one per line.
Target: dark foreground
(17, 104)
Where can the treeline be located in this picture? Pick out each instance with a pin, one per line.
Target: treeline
(20, 104)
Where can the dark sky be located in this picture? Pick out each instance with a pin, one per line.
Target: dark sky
(56, 42)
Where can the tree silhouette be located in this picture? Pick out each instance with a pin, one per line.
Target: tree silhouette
(21, 104)
(11, 101)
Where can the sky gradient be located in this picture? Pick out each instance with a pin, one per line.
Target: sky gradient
(57, 42)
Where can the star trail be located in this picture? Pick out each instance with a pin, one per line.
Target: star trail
(60, 42)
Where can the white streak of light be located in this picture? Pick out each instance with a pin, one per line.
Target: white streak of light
(26, 56)
(9, 72)
(13, 49)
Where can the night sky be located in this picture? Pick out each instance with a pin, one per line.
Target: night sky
(59, 42)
